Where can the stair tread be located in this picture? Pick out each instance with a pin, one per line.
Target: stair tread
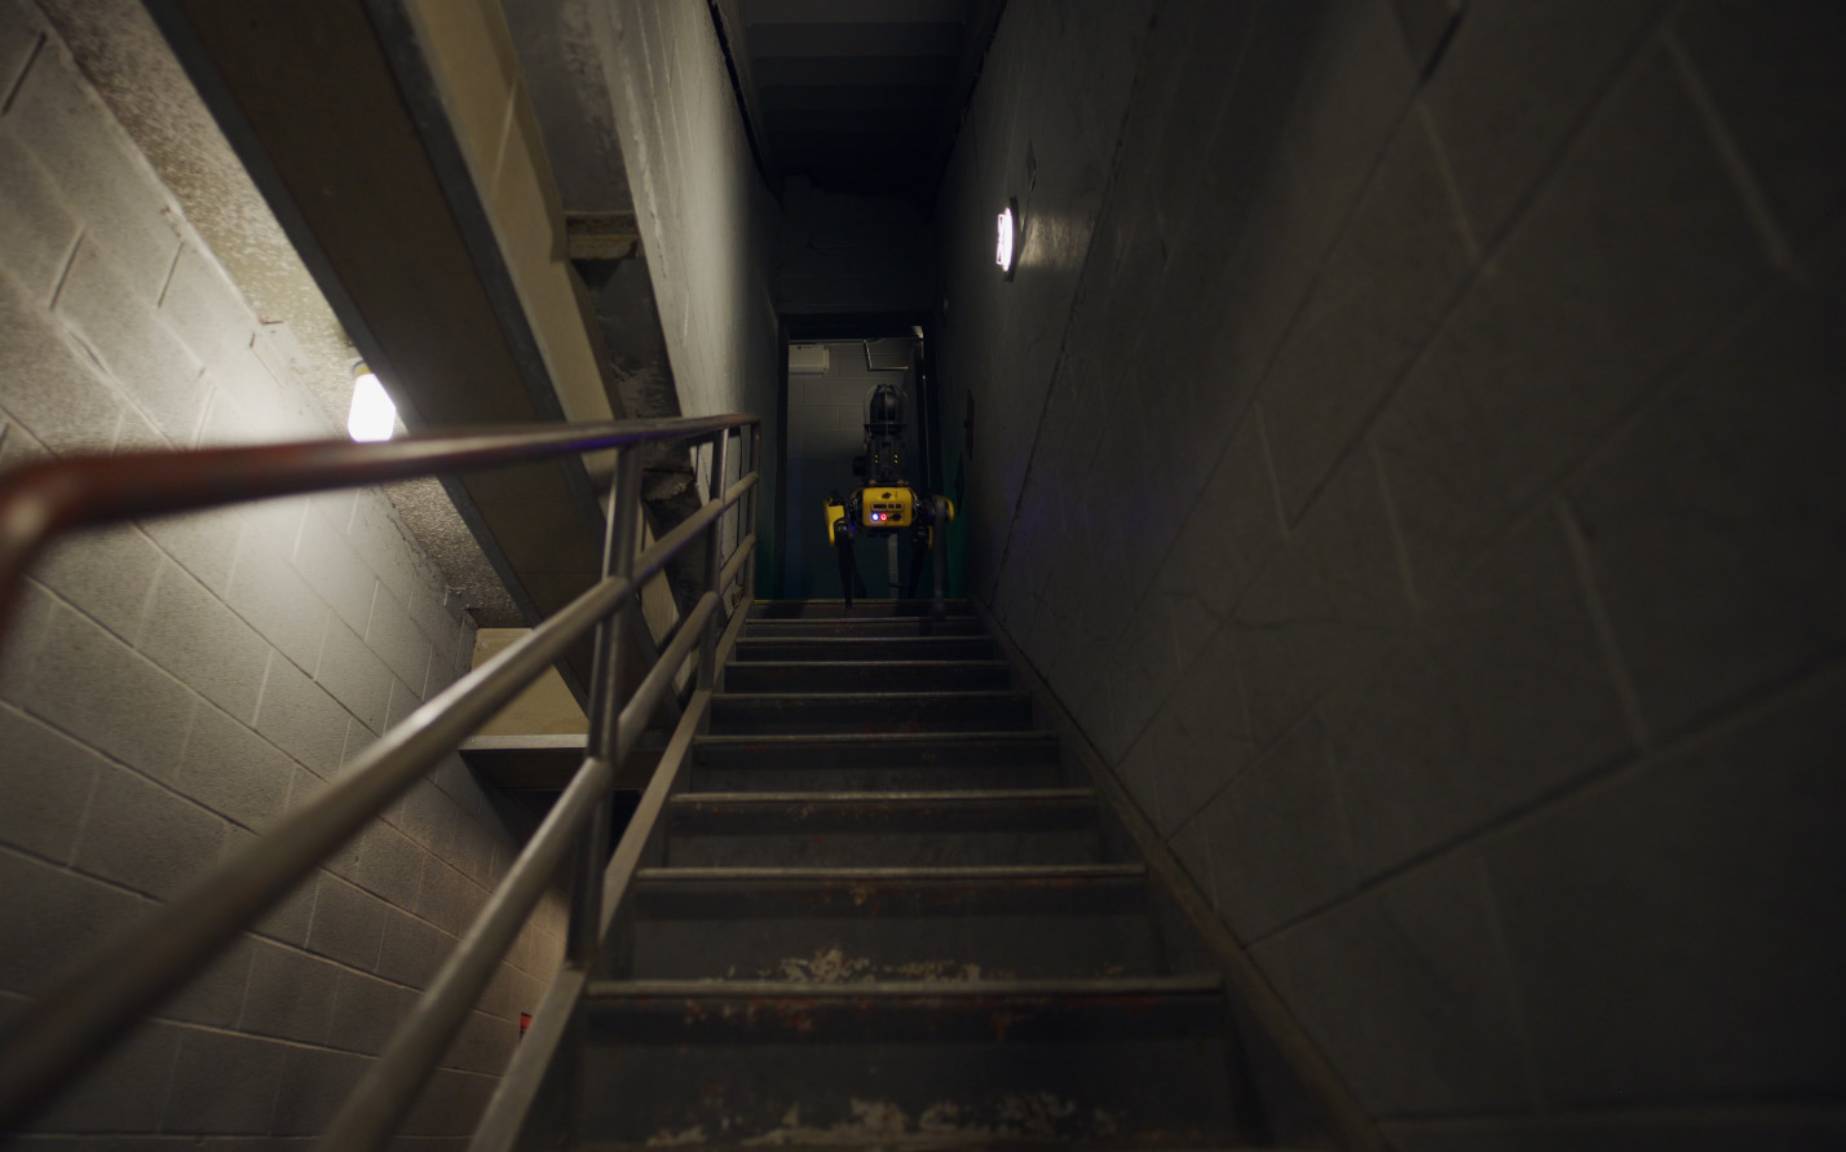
(936, 1141)
(765, 664)
(825, 641)
(839, 677)
(911, 874)
(737, 739)
(919, 694)
(826, 609)
(862, 924)
(868, 601)
(970, 796)
(847, 709)
(900, 991)
(939, 759)
(864, 628)
(865, 643)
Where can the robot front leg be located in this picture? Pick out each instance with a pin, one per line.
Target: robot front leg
(850, 583)
(919, 556)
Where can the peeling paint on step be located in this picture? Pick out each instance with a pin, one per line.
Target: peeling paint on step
(1035, 1117)
(831, 965)
(681, 1139)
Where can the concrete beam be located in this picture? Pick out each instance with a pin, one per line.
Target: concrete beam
(346, 139)
(738, 51)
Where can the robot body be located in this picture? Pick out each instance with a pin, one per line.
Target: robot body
(887, 504)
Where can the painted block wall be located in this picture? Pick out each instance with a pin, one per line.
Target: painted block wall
(1410, 450)
(707, 222)
(170, 689)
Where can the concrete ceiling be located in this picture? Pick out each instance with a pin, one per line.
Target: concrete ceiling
(856, 95)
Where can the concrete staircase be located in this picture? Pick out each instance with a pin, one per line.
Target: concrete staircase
(886, 915)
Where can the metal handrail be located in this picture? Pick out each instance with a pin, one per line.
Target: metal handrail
(62, 1033)
(44, 499)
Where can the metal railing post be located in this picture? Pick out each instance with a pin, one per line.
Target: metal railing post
(714, 563)
(939, 560)
(755, 432)
(78, 1021)
(585, 929)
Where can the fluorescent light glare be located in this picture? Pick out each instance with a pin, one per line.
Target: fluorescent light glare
(373, 417)
(1005, 230)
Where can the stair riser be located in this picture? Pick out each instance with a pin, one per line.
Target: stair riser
(849, 934)
(924, 714)
(885, 849)
(864, 677)
(1085, 1090)
(874, 648)
(947, 948)
(874, 752)
(868, 764)
(861, 609)
(817, 774)
(855, 626)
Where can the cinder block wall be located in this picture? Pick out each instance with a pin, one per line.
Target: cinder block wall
(707, 223)
(168, 690)
(1414, 459)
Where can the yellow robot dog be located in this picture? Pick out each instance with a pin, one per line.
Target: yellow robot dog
(887, 504)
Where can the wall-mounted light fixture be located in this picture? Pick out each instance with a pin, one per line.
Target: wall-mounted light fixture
(1006, 238)
(373, 416)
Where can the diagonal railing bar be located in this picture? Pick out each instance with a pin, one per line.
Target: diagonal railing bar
(504, 1120)
(55, 1038)
(41, 500)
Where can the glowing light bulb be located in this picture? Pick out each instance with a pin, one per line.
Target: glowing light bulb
(373, 416)
(1005, 231)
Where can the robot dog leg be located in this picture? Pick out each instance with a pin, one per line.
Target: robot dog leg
(841, 533)
(887, 504)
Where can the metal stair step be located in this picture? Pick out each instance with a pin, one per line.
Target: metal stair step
(853, 925)
(865, 648)
(866, 626)
(861, 609)
(866, 675)
(1131, 1062)
(793, 712)
(838, 829)
(869, 762)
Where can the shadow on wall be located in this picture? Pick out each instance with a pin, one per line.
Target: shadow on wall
(1420, 500)
(1151, 204)
(1128, 251)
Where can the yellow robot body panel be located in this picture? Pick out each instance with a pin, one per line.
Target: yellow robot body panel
(894, 507)
(834, 514)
